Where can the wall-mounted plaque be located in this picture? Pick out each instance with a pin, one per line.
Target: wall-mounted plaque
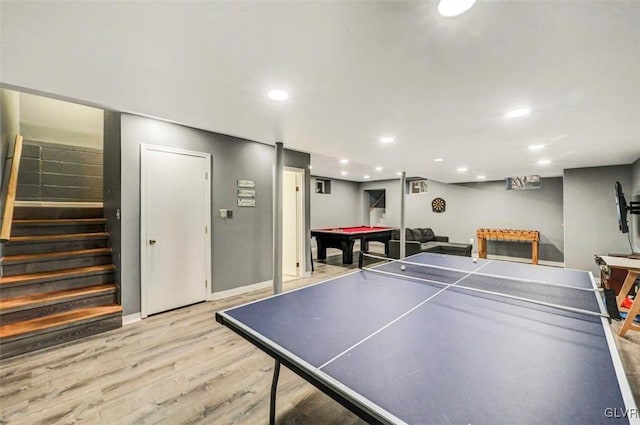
(524, 182)
(246, 202)
(246, 183)
(246, 193)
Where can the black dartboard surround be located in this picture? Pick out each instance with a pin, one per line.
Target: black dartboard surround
(438, 205)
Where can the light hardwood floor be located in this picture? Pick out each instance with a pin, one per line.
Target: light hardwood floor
(179, 367)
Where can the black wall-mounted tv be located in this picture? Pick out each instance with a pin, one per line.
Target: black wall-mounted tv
(621, 209)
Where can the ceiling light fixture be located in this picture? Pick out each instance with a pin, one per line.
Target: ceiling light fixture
(386, 139)
(344, 161)
(378, 168)
(451, 8)
(278, 95)
(367, 177)
(535, 147)
(517, 113)
(462, 169)
(438, 160)
(399, 173)
(544, 162)
(344, 173)
(481, 177)
(311, 167)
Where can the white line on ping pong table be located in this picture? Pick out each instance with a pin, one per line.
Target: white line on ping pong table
(401, 316)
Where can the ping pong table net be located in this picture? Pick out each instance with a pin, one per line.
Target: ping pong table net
(563, 297)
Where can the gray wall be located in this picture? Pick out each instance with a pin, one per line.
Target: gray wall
(9, 127)
(634, 195)
(591, 224)
(242, 247)
(341, 207)
(472, 206)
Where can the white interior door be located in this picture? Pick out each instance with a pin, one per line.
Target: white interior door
(175, 217)
(291, 224)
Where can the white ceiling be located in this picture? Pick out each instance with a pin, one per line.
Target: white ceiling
(355, 71)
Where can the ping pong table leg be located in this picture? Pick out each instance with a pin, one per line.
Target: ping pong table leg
(274, 389)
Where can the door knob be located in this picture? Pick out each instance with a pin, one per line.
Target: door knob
(152, 241)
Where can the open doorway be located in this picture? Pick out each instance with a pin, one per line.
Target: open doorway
(293, 223)
(377, 206)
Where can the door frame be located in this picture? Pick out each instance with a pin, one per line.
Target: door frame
(144, 271)
(302, 246)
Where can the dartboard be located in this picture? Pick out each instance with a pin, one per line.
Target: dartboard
(438, 205)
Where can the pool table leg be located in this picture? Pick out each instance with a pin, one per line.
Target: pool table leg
(322, 249)
(347, 251)
(364, 245)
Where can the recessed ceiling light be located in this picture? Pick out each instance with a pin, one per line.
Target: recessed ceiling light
(399, 173)
(310, 167)
(438, 159)
(517, 113)
(378, 168)
(344, 173)
(278, 95)
(544, 162)
(536, 147)
(367, 177)
(451, 8)
(481, 177)
(387, 139)
(344, 161)
(462, 169)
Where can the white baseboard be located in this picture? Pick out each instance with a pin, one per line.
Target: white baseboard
(521, 260)
(241, 290)
(59, 204)
(131, 318)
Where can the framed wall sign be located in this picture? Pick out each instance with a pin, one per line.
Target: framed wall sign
(246, 193)
(246, 183)
(244, 202)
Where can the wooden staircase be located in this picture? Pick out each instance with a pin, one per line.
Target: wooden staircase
(57, 279)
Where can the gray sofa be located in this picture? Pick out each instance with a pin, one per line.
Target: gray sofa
(422, 239)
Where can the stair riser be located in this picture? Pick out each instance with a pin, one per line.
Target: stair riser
(20, 230)
(39, 248)
(58, 264)
(61, 307)
(55, 285)
(53, 213)
(39, 341)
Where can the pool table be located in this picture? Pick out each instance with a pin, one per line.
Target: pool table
(343, 238)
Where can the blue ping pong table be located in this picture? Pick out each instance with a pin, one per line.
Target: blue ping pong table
(457, 342)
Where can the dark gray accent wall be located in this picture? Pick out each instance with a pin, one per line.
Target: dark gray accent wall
(112, 186)
(634, 195)
(590, 220)
(471, 206)
(242, 247)
(56, 172)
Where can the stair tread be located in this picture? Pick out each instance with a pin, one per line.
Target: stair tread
(58, 221)
(56, 238)
(31, 300)
(56, 320)
(52, 274)
(22, 258)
